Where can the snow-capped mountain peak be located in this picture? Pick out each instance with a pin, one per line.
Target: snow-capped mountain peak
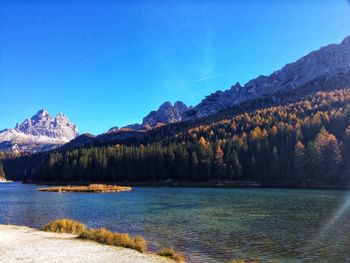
(40, 132)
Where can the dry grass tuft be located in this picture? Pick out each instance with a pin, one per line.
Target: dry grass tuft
(65, 226)
(171, 253)
(107, 237)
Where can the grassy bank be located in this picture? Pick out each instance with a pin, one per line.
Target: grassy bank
(172, 254)
(104, 236)
(65, 226)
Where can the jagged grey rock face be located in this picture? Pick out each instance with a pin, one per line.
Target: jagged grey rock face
(43, 124)
(167, 113)
(63, 128)
(40, 132)
(328, 67)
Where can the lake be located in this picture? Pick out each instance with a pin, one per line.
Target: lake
(206, 224)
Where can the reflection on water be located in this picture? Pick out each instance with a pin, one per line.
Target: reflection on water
(209, 225)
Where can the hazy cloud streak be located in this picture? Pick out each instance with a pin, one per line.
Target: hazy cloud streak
(209, 77)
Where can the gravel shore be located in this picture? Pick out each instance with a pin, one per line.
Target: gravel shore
(24, 244)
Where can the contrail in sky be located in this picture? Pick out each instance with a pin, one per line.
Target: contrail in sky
(209, 77)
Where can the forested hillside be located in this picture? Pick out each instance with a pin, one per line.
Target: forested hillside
(304, 143)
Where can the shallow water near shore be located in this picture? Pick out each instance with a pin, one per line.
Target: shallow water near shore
(206, 224)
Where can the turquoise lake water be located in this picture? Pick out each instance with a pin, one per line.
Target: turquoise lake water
(206, 224)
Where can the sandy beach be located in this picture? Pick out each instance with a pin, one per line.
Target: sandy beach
(24, 244)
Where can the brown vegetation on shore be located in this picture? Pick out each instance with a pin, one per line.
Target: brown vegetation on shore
(92, 188)
(106, 237)
(65, 226)
(100, 235)
(171, 253)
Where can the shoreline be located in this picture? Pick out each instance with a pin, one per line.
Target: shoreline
(4, 181)
(25, 244)
(175, 184)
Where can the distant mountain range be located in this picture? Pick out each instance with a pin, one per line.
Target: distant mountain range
(39, 133)
(325, 69)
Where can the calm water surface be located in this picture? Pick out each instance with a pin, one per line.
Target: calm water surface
(207, 225)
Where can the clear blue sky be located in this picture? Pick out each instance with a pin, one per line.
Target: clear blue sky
(108, 63)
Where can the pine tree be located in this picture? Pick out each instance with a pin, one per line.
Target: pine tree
(2, 173)
(312, 162)
(274, 163)
(346, 148)
(299, 162)
(219, 162)
(194, 166)
(330, 155)
(170, 162)
(235, 168)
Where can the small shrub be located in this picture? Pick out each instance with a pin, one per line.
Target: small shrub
(171, 253)
(103, 236)
(65, 226)
(140, 244)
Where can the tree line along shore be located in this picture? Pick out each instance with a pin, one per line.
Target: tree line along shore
(300, 144)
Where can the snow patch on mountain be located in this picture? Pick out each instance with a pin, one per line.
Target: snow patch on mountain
(39, 133)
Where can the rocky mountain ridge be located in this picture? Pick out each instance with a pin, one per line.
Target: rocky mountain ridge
(326, 68)
(166, 113)
(39, 133)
